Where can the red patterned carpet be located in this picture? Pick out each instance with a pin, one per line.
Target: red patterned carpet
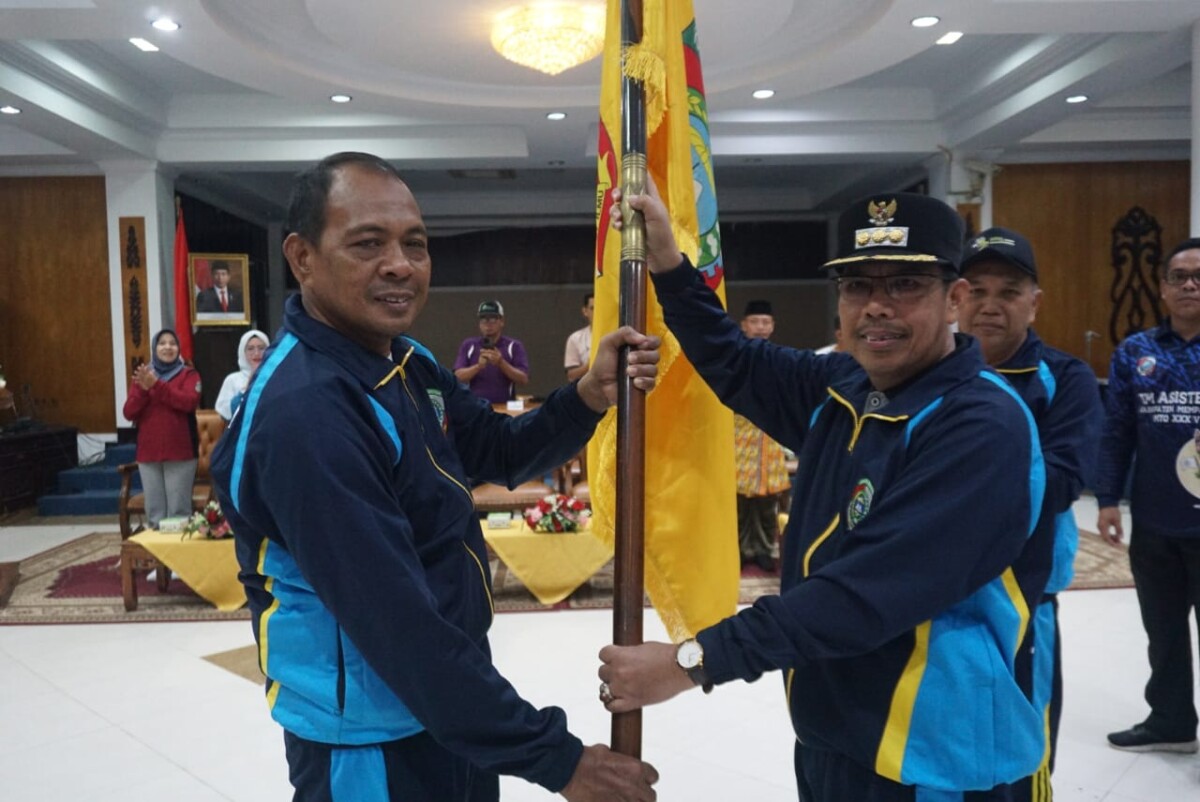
(78, 583)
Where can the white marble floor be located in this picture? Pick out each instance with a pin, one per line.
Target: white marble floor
(130, 712)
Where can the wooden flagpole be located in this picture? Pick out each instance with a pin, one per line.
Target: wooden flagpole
(629, 564)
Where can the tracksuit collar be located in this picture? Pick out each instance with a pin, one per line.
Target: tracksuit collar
(1027, 356)
(960, 365)
(368, 367)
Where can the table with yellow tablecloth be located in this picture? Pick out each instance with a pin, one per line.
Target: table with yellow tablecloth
(551, 566)
(208, 567)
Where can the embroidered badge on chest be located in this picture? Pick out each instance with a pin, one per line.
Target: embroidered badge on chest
(439, 407)
(860, 502)
(1146, 365)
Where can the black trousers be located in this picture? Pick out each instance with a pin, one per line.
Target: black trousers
(415, 769)
(831, 777)
(758, 525)
(1166, 571)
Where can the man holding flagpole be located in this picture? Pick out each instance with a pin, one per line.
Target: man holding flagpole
(359, 543)
(908, 569)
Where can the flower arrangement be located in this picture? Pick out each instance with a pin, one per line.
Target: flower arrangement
(209, 522)
(558, 513)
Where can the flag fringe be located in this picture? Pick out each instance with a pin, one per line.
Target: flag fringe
(642, 63)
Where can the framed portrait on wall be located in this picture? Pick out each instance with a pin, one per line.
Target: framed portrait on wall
(219, 284)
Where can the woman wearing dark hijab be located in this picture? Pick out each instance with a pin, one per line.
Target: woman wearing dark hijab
(162, 402)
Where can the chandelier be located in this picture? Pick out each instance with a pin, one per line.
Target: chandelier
(549, 37)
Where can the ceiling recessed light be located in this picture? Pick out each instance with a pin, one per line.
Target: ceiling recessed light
(925, 22)
(143, 45)
(950, 38)
(9, 110)
(1077, 99)
(341, 98)
(763, 94)
(165, 24)
(556, 115)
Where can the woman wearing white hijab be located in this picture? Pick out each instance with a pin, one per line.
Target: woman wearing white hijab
(250, 355)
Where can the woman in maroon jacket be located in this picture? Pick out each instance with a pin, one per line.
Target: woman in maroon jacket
(162, 402)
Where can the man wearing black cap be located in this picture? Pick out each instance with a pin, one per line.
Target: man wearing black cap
(1064, 397)
(761, 467)
(492, 365)
(905, 585)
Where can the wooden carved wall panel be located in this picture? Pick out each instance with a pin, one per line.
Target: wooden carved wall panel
(133, 248)
(132, 231)
(1068, 212)
(1136, 255)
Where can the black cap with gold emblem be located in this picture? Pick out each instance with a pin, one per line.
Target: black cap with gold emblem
(899, 227)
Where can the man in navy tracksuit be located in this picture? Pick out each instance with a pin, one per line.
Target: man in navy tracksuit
(1154, 415)
(345, 475)
(908, 577)
(1064, 397)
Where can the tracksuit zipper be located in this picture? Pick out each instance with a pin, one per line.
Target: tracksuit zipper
(399, 370)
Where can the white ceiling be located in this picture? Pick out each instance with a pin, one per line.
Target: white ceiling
(237, 99)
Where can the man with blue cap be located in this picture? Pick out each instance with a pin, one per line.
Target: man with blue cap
(1064, 397)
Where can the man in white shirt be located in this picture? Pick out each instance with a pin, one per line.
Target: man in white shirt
(579, 344)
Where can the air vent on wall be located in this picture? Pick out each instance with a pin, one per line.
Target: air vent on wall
(505, 175)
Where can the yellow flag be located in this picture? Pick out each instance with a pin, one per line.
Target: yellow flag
(692, 564)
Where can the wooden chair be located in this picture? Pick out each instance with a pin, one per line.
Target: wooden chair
(209, 427)
(496, 498)
(573, 478)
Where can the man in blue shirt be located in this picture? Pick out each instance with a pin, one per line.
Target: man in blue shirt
(1064, 397)
(345, 477)
(1154, 416)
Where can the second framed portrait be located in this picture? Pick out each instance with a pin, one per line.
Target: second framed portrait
(220, 284)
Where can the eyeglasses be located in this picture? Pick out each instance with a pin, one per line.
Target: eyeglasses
(899, 287)
(1177, 278)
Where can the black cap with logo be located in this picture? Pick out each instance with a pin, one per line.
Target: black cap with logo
(1002, 245)
(899, 227)
(491, 309)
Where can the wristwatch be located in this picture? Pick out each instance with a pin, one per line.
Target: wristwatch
(690, 657)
